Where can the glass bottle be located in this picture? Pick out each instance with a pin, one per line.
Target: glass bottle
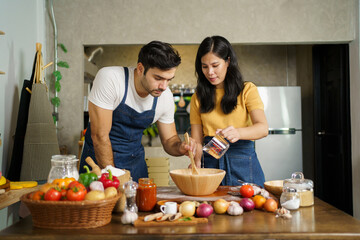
(290, 198)
(130, 193)
(305, 188)
(63, 166)
(146, 194)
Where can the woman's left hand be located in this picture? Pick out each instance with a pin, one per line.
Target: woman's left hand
(230, 133)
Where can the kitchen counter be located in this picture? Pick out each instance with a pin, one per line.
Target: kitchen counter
(13, 196)
(321, 221)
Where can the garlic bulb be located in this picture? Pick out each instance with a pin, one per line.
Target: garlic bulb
(234, 209)
(128, 217)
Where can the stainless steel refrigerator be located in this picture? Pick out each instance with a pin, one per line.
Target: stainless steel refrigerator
(280, 153)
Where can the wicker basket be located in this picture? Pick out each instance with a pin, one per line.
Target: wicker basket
(70, 214)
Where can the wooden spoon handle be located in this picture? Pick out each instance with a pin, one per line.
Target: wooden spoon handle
(191, 155)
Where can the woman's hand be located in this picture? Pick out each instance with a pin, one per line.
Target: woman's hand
(230, 133)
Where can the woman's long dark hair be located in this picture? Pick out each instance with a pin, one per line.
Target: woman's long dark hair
(233, 83)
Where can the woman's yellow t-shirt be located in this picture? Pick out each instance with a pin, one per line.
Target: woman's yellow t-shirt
(248, 100)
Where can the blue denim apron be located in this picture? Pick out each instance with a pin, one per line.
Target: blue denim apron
(125, 136)
(239, 162)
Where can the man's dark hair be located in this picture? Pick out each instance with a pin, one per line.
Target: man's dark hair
(160, 55)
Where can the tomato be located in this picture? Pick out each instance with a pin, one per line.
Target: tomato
(63, 194)
(53, 194)
(259, 201)
(38, 195)
(247, 191)
(75, 183)
(76, 193)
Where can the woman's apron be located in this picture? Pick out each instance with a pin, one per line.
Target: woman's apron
(240, 163)
(125, 136)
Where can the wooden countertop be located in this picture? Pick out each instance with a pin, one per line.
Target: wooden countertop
(321, 221)
(13, 196)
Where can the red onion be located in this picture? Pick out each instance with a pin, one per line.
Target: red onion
(204, 210)
(247, 204)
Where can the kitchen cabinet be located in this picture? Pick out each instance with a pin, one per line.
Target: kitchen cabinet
(321, 221)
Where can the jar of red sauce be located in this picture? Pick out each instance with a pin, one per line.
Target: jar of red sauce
(146, 194)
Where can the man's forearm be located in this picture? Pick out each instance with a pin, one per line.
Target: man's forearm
(172, 146)
(103, 151)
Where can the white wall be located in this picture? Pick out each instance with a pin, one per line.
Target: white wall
(23, 22)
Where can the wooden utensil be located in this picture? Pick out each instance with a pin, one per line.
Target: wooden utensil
(193, 166)
(181, 101)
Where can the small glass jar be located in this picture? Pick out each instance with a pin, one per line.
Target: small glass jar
(217, 146)
(304, 187)
(290, 198)
(146, 195)
(130, 193)
(63, 166)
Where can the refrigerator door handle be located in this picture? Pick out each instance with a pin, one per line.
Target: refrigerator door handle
(283, 131)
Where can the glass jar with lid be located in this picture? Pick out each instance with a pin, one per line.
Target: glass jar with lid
(305, 188)
(63, 166)
(146, 194)
(290, 198)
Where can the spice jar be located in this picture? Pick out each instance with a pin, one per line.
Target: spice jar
(304, 187)
(130, 193)
(146, 194)
(290, 198)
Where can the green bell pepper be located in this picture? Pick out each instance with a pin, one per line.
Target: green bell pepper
(88, 177)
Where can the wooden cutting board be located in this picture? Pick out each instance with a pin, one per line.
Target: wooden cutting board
(174, 194)
(140, 222)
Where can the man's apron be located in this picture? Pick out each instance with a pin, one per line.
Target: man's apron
(125, 136)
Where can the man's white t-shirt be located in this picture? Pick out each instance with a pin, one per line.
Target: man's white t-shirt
(108, 91)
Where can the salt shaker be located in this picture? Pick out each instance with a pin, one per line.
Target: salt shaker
(290, 198)
(130, 193)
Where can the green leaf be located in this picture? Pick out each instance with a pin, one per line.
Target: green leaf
(62, 46)
(151, 131)
(155, 129)
(54, 118)
(145, 132)
(185, 219)
(63, 64)
(55, 101)
(57, 75)
(57, 86)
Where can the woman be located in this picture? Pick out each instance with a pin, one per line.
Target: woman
(225, 104)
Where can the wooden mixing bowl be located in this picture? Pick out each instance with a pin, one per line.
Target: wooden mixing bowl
(275, 187)
(205, 183)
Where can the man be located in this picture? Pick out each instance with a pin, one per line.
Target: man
(125, 101)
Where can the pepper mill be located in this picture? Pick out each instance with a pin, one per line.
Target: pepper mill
(130, 188)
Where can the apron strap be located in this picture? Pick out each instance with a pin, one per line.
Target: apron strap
(126, 70)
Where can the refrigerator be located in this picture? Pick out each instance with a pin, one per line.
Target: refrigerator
(280, 153)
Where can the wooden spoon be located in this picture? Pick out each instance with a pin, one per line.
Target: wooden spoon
(193, 166)
(182, 101)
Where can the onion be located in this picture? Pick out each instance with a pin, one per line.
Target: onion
(247, 204)
(96, 185)
(220, 206)
(187, 208)
(204, 210)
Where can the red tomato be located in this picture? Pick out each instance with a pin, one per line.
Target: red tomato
(76, 193)
(247, 191)
(53, 194)
(73, 184)
(63, 194)
(38, 195)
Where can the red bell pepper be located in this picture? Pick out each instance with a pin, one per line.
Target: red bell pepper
(108, 180)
